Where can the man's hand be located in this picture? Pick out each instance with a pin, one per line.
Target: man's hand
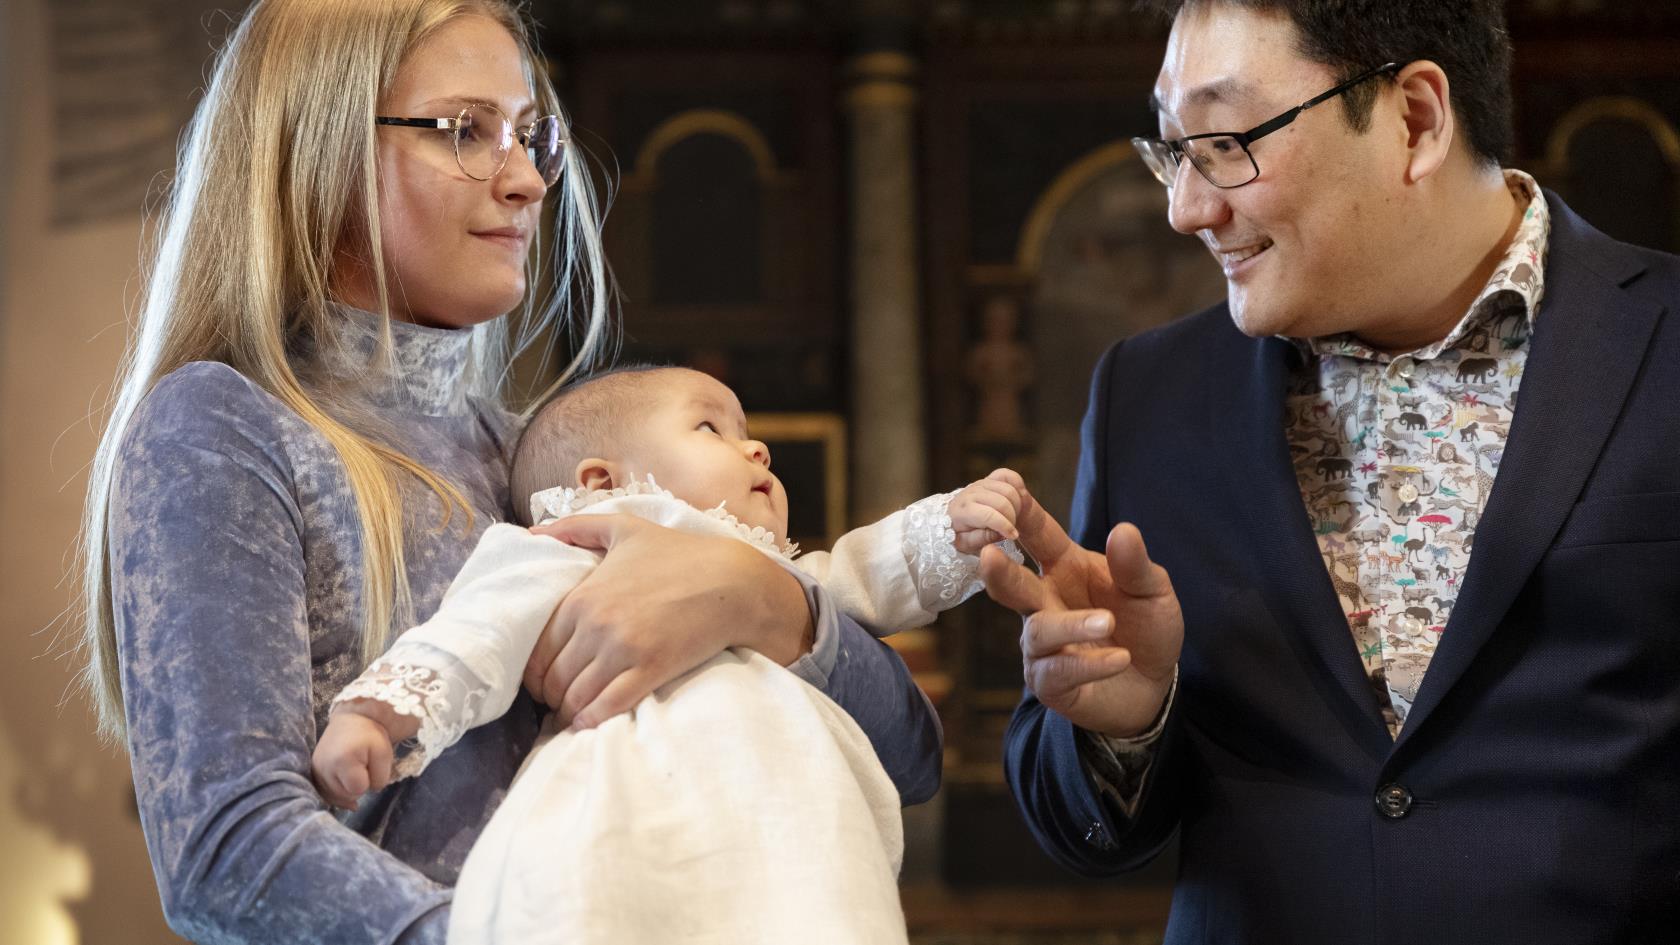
(984, 512)
(1102, 633)
(661, 603)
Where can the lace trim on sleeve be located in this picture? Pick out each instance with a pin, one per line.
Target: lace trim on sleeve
(444, 704)
(944, 576)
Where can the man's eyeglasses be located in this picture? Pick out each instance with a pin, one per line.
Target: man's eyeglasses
(484, 137)
(1222, 157)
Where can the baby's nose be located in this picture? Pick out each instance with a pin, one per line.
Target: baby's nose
(757, 452)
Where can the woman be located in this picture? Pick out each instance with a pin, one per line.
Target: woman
(308, 439)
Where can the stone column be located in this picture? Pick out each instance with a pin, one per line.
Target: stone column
(889, 445)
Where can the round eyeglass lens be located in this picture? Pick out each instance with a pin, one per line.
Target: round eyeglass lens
(483, 138)
(545, 147)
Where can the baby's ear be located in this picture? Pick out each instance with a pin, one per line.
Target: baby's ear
(596, 473)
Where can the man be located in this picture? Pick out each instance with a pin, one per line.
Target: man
(1402, 662)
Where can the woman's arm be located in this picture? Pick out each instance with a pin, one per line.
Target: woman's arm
(612, 641)
(208, 592)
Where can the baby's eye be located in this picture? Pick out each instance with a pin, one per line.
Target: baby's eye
(707, 426)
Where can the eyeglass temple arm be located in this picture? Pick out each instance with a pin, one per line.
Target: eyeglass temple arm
(415, 122)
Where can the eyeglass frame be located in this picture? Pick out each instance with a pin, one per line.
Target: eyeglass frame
(1175, 146)
(521, 133)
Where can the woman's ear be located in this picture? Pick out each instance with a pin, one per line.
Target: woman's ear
(597, 473)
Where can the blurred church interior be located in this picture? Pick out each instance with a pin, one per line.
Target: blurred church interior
(902, 230)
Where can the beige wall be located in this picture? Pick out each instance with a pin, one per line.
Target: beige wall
(74, 867)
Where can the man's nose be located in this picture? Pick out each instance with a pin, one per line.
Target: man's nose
(1193, 204)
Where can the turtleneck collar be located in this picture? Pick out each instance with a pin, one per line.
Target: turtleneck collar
(429, 368)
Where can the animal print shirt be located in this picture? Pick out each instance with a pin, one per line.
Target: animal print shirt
(1396, 456)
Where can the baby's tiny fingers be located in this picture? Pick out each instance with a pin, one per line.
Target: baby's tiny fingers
(1008, 476)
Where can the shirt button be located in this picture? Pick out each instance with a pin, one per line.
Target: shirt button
(1393, 801)
(1403, 367)
(1407, 493)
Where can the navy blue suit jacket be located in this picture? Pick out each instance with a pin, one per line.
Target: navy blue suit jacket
(1541, 758)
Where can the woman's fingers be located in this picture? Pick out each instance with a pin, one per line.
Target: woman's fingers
(550, 642)
(619, 696)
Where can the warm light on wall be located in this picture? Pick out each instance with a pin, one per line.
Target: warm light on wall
(38, 873)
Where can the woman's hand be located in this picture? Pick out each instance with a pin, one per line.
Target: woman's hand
(661, 603)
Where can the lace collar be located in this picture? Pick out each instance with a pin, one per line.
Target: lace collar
(564, 500)
(427, 371)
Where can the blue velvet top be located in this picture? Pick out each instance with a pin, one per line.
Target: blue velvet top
(236, 586)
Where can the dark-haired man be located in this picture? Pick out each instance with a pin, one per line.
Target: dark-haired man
(1415, 674)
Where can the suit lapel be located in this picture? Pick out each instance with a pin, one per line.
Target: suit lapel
(1590, 338)
(1297, 583)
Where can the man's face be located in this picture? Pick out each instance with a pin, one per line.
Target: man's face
(1305, 247)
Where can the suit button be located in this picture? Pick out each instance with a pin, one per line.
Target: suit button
(1393, 801)
(1098, 837)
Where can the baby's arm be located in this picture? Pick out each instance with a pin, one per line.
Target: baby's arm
(459, 669)
(355, 754)
(900, 572)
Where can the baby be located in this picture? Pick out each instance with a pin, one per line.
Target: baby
(736, 803)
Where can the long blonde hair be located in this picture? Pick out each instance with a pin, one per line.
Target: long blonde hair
(278, 177)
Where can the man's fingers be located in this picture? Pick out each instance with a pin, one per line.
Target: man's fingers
(1060, 674)
(1041, 535)
(1012, 585)
(1129, 564)
(1049, 632)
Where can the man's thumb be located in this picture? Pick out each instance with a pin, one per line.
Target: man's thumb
(1129, 565)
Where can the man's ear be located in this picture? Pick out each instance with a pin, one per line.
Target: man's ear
(597, 473)
(1426, 110)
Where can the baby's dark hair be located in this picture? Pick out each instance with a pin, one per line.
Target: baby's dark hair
(588, 417)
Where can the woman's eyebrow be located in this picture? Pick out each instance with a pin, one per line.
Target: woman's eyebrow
(526, 108)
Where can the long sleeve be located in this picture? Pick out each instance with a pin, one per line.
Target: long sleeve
(1053, 768)
(209, 594)
(463, 667)
(900, 572)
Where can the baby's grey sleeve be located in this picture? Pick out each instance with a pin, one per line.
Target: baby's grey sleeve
(207, 583)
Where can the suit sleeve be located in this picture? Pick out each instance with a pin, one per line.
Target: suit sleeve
(208, 595)
(1046, 758)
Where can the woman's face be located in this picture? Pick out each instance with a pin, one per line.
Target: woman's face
(455, 247)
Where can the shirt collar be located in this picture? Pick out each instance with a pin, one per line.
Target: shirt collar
(1518, 280)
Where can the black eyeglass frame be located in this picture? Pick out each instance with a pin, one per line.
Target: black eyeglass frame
(1175, 146)
(521, 134)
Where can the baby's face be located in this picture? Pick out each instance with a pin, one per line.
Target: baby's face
(695, 444)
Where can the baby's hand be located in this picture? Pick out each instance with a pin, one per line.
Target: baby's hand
(353, 757)
(985, 512)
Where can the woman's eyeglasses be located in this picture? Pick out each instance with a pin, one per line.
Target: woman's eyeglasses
(484, 138)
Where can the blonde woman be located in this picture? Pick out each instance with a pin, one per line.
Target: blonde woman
(308, 439)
